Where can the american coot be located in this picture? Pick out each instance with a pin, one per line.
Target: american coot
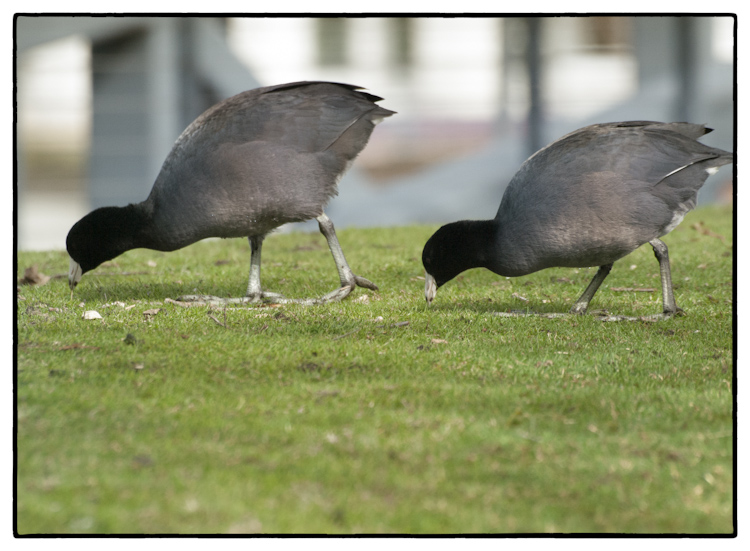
(249, 164)
(588, 199)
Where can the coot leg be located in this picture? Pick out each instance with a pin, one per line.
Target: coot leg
(255, 294)
(254, 291)
(662, 255)
(582, 303)
(348, 279)
(253, 285)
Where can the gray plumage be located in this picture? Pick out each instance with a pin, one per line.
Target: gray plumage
(256, 161)
(588, 199)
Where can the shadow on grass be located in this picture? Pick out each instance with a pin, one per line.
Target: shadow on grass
(147, 291)
(490, 307)
(131, 291)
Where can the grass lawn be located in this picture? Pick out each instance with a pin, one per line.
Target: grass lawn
(378, 414)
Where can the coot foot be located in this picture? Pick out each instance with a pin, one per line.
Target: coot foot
(265, 297)
(600, 315)
(345, 289)
(275, 298)
(366, 283)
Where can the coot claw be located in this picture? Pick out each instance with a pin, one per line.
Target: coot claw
(366, 283)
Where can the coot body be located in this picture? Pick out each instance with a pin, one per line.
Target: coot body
(588, 199)
(256, 161)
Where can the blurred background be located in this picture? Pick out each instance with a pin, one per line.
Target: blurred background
(100, 100)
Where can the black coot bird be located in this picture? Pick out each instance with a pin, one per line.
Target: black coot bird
(588, 199)
(249, 164)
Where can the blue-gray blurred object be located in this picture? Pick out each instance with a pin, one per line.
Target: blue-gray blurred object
(678, 81)
(151, 76)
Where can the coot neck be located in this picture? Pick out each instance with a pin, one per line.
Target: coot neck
(474, 244)
(124, 228)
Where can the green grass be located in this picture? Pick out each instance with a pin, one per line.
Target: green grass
(344, 419)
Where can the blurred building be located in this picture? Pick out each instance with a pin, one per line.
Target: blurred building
(102, 99)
